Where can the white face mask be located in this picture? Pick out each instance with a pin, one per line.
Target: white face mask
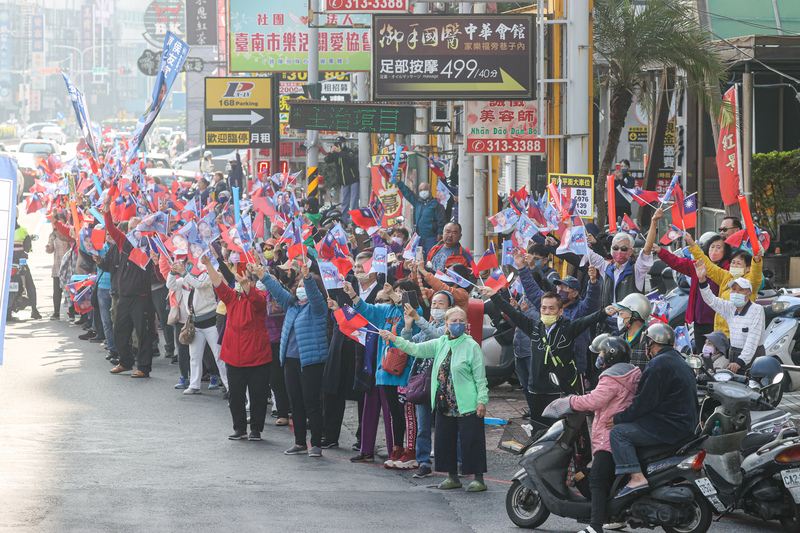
(424, 194)
(736, 272)
(398, 240)
(438, 314)
(362, 277)
(620, 323)
(300, 292)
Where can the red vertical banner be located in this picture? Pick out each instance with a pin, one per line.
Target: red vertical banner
(612, 204)
(728, 158)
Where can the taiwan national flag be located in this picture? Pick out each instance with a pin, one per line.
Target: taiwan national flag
(350, 322)
(460, 281)
(496, 280)
(364, 218)
(327, 247)
(343, 262)
(628, 225)
(437, 165)
(489, 260)
(410, 251)
(642, 197)
(690, 211)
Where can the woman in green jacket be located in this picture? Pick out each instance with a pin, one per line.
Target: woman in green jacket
(459, 394)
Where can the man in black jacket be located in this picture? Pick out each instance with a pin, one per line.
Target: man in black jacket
(552, 346)
(345, 163)
(664, 410)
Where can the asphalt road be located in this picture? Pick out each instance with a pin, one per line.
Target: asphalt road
(83, 450)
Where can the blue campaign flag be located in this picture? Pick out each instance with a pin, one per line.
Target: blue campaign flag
(172, 59)
(682, 342)
(508, 252)
(668, 194)
(82, 116)
(574, 241)
(8, 207)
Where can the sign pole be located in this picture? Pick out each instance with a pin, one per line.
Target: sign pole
(275, 98)
(312, 142)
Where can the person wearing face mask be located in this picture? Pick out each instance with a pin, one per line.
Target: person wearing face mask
(421, 456)
(459, 394)
(304, 347)
(745, 319)
(623, 178)
(429, 217)
(236, 174)
(538, 259)
(395, 239)
(459, 295)
(245, 351)
(715, 350)
(742, 265)
(664, 410)
(634, 313)
(552, 346)
(697, 312)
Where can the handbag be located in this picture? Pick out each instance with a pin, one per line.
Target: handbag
(187, 331)
(418, 390)
(395, 361)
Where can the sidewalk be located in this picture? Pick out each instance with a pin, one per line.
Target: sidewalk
(508, 403)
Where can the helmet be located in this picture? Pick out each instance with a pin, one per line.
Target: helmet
(615, 350)
(661, 333)
(706, 238)
(637, 304)
(764, 370)
(597, 343)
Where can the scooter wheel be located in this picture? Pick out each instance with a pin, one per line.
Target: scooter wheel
(791, 520)
(702, 514)
(524, 506)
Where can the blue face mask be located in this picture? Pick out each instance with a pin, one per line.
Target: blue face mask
(457, 329)
(737, 299)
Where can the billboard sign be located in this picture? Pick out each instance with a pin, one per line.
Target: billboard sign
(239, 112)
(504, 127)
(453, 57)
(273, 37)
(576, 186)
(366, 6)
(362, 116)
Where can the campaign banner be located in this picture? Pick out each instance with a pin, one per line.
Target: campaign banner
(273, 37)
(728, 158)
(8, 207)
(82, 115)
(389, 196)
(505, 127)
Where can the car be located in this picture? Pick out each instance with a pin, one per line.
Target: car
(190, 160)
(168, 175)
(32, 131)
(26, 155)
(158, 160)
(53, 133)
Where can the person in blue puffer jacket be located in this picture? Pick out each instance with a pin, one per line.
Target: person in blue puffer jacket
(304, 348)
(389, 317)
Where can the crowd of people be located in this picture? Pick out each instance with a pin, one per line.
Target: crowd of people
(257, 318)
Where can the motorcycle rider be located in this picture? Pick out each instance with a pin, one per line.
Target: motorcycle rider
(745, 320)
(634, 313)
(22, 246)
(664, 410)
(715, 350)
(614, 392)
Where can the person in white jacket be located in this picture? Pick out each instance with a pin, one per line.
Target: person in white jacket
(202, 304)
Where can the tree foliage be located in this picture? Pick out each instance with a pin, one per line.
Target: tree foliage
(776, 183)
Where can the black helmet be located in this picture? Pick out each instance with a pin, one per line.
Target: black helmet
(764, 370)
(615, 350)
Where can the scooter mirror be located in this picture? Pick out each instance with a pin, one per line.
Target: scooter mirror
(694, 362)
(778, 378)
(554, 379)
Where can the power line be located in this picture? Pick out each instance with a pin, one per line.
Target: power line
(747, 23)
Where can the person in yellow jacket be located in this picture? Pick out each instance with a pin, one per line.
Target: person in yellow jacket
(743, 265)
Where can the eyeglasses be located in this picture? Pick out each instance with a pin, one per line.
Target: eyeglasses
(725, 229)
(381, 301)
(620, 248)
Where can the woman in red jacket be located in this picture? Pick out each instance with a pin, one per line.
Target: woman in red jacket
(245, 350)
(697, 311)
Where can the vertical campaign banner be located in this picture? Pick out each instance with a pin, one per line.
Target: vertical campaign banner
(8, 194)
(172, 59)
(273, 37)
(82, 115)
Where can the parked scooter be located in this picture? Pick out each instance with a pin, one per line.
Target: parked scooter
(753, 457)
(675, 500)
(17, 292)
(783, 334)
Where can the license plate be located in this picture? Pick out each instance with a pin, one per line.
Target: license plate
(13, 286)
(705, 486)
(791, 478)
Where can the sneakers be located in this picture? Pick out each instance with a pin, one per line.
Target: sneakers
(238, 435)
(329, 444)
(35, 315)
(189, 391)
(255, 436)
(296, 450)
(423, 471)
(88, 335)
(97, 339)
(55, 316)
(213, 383)
(183, 383)
(356, 447)
(407, 461)
(363, 458)
(315, 452)
(397, 453)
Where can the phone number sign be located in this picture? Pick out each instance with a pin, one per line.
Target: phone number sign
(576, 186)
(504, 127)
(366, 6)
(453, 57)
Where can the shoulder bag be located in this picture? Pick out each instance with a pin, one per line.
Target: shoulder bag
(187, 331)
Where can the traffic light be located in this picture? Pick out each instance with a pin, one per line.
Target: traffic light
(123, 70)
(679, 146)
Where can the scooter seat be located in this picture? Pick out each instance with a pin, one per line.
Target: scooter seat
(648, 454)
(763, 416)
(752, 442)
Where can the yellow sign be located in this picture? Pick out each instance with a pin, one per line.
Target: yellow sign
(228, 138)
(577, 187)
(238, 93)
(637, 134)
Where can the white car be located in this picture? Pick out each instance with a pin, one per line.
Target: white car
(54, 133)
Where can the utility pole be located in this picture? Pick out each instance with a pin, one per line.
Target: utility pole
(578, 55)
(312, 141)
(747, 132)
(480, 185)
(364, 145)
(466, 177)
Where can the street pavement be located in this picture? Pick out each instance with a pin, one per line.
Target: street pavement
(86, 451)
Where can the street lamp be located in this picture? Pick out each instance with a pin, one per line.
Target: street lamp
(80, 53)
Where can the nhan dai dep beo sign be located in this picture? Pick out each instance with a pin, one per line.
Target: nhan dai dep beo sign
(504, 127)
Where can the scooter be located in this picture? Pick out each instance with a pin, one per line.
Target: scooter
(782, 340)
(752, 457)
(17, 291)
(675, 500)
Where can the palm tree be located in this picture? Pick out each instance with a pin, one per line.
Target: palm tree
(634, 39)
